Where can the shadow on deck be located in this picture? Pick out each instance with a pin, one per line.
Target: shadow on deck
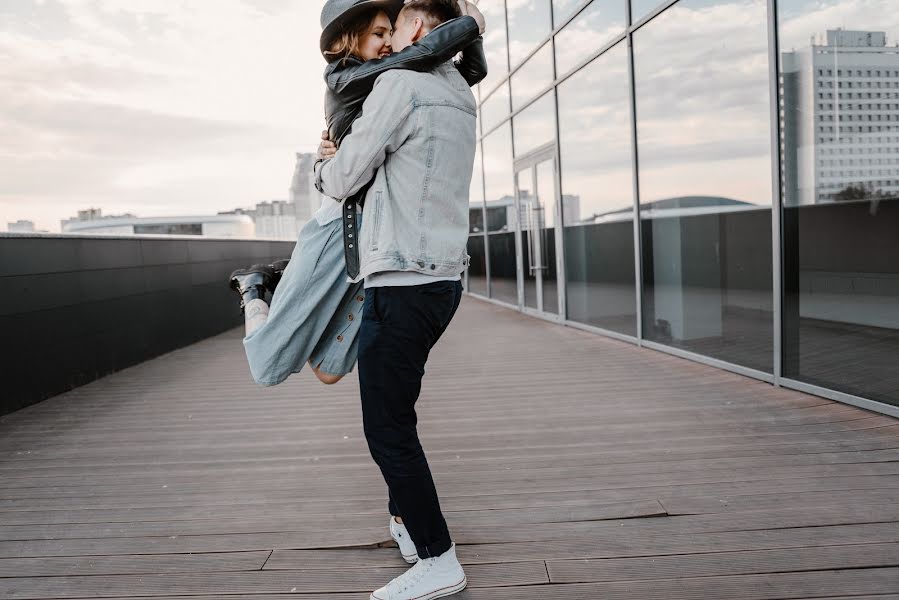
(570, 466)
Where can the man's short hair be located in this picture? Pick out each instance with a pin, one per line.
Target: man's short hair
(433, 12)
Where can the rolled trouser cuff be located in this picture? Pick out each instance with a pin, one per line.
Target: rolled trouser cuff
(435, 549)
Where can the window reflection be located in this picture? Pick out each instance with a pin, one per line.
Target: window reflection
(705, 179)
(595, 26)
(641, 8)
(495, 108)
(499, 193)
(597, 198)
(535, 125)
(532, 77)
(477, 269)
(494, 43)
(530, 21)
(840, 139)
(562, 9)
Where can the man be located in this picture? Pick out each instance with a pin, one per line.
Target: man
(416, 136)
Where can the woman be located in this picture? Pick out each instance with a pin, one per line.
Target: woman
(315, 313)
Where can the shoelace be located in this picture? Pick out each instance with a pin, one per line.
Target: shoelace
(414, 575)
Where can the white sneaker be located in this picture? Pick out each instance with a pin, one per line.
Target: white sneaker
(401, 537)
(430, 578)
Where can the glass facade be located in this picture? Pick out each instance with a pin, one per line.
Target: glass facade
(840, 188)
(688, 185)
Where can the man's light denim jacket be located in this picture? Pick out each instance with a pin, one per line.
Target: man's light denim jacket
(416, 136)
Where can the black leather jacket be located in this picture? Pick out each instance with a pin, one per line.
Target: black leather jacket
(349, 81)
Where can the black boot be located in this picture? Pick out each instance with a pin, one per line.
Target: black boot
(251, 283)
(278, 267)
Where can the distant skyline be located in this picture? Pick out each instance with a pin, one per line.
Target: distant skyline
(154, 107)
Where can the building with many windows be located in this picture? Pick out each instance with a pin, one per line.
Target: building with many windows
(714, 219)
(842, 93)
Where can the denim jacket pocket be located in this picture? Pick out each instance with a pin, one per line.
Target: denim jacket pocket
(376, 221)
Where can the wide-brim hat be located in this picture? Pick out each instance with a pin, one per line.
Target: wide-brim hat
(336, 14)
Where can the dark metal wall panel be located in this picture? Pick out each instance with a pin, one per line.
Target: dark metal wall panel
(75, 309)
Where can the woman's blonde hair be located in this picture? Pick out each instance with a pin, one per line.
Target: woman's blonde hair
(347, 42)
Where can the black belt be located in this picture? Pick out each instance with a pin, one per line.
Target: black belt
(351, 231)
(350, 239)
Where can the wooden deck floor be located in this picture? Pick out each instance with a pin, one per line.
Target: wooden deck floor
(570, 467)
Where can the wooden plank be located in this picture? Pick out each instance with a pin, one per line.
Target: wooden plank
(612, 544)
(775, 586)
(324, 523)
(135, 563)
(499, 481)
(531, 455)
(730, 563)
(702, 505)
(172, 475)
(304, 582)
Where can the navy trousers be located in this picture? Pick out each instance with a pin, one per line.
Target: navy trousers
(400, 325)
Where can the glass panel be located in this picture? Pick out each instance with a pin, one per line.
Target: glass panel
(499, 192)
(705, 179)
(544, 223)
(596, 25)
(476, 195)
(530, 21)
(494, 43)
(640, 8)
(532, 77)
(563, 8)
(477, 269)
(529, 251)
(597, 197)
(535, 125)
(496, 107)
(840, 128)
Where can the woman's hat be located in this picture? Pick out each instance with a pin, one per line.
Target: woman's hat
(337, 13)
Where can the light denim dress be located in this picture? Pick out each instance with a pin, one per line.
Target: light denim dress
(315, 312)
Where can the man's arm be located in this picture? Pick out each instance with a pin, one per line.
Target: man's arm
(382, 128)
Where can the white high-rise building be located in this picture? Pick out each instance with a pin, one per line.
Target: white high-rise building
(841, 112)
(302, 187)
(20, 226)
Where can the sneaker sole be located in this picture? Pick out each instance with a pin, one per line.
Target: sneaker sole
(442, 592)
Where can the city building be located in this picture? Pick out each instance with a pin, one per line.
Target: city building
(679, 176)
(280, 219)
(20, 226)
(277, 220)
(302, 187)
(94, 223)
(842, 97)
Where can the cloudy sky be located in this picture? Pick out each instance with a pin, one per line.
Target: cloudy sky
(154, 107)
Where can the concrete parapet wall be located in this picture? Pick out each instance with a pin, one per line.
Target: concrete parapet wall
(76, 308)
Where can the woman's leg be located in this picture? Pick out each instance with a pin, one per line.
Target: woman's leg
(308, 295)
(335, 354)
(251, 284)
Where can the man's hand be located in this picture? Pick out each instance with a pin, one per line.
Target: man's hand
(470, 9)
(326, 149)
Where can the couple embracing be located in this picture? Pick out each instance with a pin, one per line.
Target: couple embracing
(382, 284)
